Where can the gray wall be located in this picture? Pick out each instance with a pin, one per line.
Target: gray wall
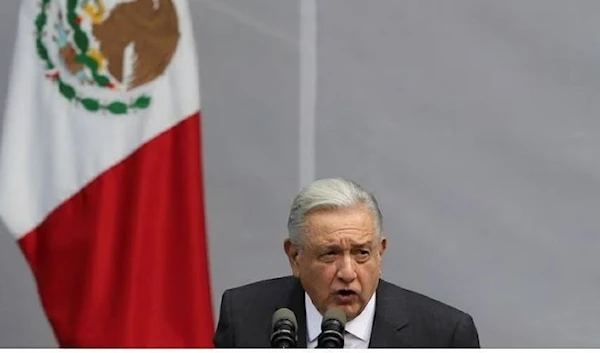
(475, 122)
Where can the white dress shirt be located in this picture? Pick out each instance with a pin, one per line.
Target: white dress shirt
(358, 330)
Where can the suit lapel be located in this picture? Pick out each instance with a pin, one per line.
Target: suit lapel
(390, 319)
(296, 303)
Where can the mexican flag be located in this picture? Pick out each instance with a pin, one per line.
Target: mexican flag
(100, 171)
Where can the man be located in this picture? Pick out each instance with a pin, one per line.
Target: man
(335, 248)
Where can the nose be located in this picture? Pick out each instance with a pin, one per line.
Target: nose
(346, 271)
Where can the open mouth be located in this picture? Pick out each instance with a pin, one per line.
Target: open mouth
(345, 294)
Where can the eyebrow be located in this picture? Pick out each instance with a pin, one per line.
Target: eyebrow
(354, 245)
(366, 244)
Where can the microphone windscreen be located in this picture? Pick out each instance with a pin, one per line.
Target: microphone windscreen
(284, 314)
(336, 314)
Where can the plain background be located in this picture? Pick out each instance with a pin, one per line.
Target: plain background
(475, 122)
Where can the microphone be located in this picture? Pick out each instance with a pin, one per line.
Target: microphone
(332, 329)
(284, 326)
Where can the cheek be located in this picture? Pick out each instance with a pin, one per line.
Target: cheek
(325, 270)
(368, 274)
(322, 273)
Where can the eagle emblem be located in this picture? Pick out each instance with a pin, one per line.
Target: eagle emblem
(104, 54)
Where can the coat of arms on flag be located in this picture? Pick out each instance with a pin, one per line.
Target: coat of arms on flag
(91, 46)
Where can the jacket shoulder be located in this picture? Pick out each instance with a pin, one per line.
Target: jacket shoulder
(419, 300)
(431, 323)
(259, 296)
(269, 286)
(422, 305)
(246, 312)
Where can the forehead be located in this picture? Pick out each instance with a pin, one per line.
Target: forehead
(356, 224)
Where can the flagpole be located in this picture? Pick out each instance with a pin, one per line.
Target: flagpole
(308, 90)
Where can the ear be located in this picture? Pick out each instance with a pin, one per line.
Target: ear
(292, 253)
(382, 247)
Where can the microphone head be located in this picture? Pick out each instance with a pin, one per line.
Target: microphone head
(332, 329)
(335, 314)
(284, 314)
(284, 326)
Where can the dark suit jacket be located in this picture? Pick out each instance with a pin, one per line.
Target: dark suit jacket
(402, 318)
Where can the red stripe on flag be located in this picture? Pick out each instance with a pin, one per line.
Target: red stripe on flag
(123, 263)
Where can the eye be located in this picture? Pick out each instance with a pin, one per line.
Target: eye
(328, 256)
(362, 255)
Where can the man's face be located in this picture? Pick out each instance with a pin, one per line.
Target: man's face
(339, 262)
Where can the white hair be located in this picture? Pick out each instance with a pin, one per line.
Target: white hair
(330, 194)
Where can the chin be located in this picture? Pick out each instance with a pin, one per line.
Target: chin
(350, 310)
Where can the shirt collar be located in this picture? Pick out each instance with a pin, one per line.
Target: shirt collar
(359, 327)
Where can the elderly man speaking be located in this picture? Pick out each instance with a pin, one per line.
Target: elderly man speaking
(335, 248)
